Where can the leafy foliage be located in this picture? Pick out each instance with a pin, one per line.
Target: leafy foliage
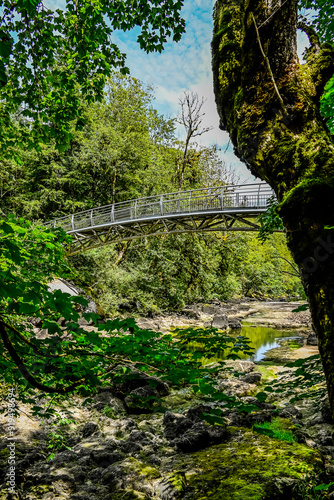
(50, 59)
(274, 429)
(321, 18)
(56, 439)
(327, 104)
(125, 150)
(303, 307)
(323, 21)
(270, 220)
(312, 488)
(69, 358)
(306, 382)
(157, 274)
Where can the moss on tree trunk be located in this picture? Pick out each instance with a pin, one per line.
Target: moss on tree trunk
(269, 103)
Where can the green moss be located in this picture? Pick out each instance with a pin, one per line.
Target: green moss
(4, 453)
(268, 374)
(181, 399)
(40, 490)
(178, 481)
(146, 471)
(129, 495)
(294, 345)
(246, 470)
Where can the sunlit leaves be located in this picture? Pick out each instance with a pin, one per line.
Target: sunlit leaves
(307, 381)
(327, 104)
(67, 356)
(270, 221)
(323, 21)
(60, 56)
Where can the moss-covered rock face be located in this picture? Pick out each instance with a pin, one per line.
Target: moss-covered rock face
(271, 129)
(141, 469)
(257, 468)
(269, 104)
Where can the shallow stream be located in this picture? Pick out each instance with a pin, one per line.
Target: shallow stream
(263, 339)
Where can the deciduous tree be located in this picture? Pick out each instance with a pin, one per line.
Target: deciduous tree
(51, 58)
(191, 117)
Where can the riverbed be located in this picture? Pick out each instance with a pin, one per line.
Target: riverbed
(274, 329)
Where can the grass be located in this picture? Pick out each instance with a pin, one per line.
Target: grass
(275, 430)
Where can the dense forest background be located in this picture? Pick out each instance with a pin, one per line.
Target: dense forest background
(124, 149)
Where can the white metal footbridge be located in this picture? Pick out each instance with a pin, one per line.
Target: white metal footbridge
(223, 208)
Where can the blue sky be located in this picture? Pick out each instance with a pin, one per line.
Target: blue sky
(185, 65)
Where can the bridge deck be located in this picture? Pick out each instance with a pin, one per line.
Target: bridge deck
(222, 208)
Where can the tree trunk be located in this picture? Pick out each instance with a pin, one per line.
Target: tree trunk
(269, 104)
(184, 162)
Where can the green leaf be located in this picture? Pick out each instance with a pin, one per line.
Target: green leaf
(3, 75)
(213, 419)
(261, 396)
(28, 5)
(5, 45)
(303, 307)
(323, 487)
(261, 430)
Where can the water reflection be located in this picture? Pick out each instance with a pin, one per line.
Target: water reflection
(262, 340)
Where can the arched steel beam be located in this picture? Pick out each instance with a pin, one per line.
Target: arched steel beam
(223, 208)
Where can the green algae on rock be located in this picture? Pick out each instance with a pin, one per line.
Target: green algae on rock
(253, 468)
(130, 495)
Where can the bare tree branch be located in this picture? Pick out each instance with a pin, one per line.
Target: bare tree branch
(191, 117)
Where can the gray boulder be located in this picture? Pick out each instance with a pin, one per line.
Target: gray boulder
(89, 429)
(135, 379)
(141, 400)
(200, 436)
(251, 378)
(325, 437)
(210, 309)
(220, 321)
(234, 323)
(100, 401)
(312, 339)
(291, 412)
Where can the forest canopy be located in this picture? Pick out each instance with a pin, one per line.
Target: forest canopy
(52, 59)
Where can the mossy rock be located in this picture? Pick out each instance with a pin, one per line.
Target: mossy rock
(181, 399)
(40, 490)
(129, 495)
(254, 469)
(268, 374)
(135, 466)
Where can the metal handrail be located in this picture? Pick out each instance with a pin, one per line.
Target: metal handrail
(218, 198)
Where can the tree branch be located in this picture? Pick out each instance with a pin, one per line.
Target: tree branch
(25, 373)
(28, 342)
(268, 66)
(311, 34)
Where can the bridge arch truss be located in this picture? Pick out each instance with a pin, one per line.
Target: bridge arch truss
(221, 209)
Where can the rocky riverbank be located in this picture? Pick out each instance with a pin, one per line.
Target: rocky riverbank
(230, 314)
(107, 449)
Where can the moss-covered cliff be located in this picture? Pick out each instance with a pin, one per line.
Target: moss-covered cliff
(269, 103)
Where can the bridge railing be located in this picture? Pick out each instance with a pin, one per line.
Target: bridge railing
(245, 196)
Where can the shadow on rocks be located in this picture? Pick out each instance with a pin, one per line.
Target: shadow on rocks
(188, 433)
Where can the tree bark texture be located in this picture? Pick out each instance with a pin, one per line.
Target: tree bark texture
(269, 104)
